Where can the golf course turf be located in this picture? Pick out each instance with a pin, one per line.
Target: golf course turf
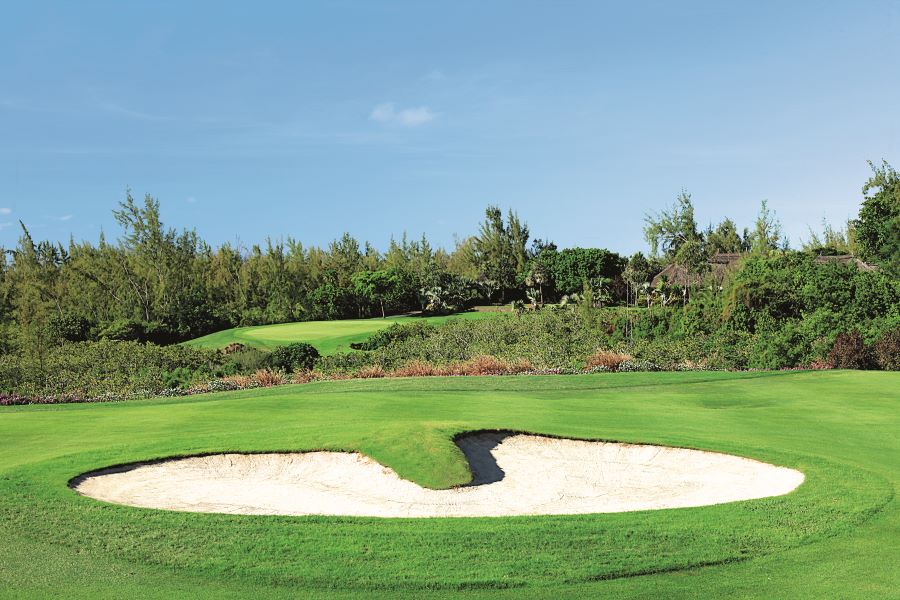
(327, 336)
(835, 536)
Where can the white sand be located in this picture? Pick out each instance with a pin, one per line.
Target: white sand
(514, 475)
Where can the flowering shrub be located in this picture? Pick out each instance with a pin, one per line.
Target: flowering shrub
(638, 365)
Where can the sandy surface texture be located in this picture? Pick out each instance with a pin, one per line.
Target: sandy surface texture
(513, 475)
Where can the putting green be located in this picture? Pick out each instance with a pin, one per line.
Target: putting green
(327, 336)
(834, 536)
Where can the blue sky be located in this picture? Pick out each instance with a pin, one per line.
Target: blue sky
(311, 119)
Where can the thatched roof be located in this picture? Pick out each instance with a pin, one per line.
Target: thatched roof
(846, 259)
(721, 264)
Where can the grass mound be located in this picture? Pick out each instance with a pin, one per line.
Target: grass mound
(327, 336)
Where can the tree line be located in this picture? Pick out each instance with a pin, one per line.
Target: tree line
(155, 283)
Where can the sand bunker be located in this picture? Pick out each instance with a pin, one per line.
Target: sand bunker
(513, 475)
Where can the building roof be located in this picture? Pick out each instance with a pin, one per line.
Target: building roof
(721, 264)
(846, 259)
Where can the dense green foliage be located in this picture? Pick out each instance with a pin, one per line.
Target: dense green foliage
(770, 308)
(297, 356)
(832, 537)
(878, 225)
(107, 368)
(778, 310)
(159, 285)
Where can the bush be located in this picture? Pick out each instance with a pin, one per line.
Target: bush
(414, 368)
(70, 328)
(123, 330)
(781, 346)
(244, 361)
(886, 350)
(607, 359)
(629, 366)
(848, 352)
(299, 356)
(179, 377)
(106, 369)
(372, 372)
(345, 362)
(268, 378)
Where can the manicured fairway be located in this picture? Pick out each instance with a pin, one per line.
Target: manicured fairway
(327, 336)
(834, 537)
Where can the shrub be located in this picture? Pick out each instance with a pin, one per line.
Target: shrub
(123, 330)
(848, 352)
(233, 347)
(298, 356)
(106, 369)
(179, 377)
(345, 362)
(886, 350)
(490, 365)
(240, 382)
(638, 365)
(244, 360)
(414, 368)
(604, 358)
(221, 385)
(306, 376)
(370, 372)
(70, 328)
(267, 378)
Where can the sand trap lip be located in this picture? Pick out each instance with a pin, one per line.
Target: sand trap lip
(514, 474)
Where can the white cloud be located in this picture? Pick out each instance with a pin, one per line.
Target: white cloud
(190, 200)
(388, 113)
(5, 211)
(124, 111)
(66, 217)
(5, 225)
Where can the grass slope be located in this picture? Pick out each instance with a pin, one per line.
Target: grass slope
(833, 537)
(327, 336)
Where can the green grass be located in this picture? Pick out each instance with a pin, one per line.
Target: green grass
(835, 536)
(327, 336)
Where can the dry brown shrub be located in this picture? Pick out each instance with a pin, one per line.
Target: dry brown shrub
(482, 365)
(305, 376)
(415, 368)
(447, 370)
(606, 358)
(232, 348)
(371, 372)
(522, 365)
(491, 365)
(268, 377)
(242, 381)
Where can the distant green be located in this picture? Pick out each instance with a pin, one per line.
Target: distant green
(327, 336)
(834, 537)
